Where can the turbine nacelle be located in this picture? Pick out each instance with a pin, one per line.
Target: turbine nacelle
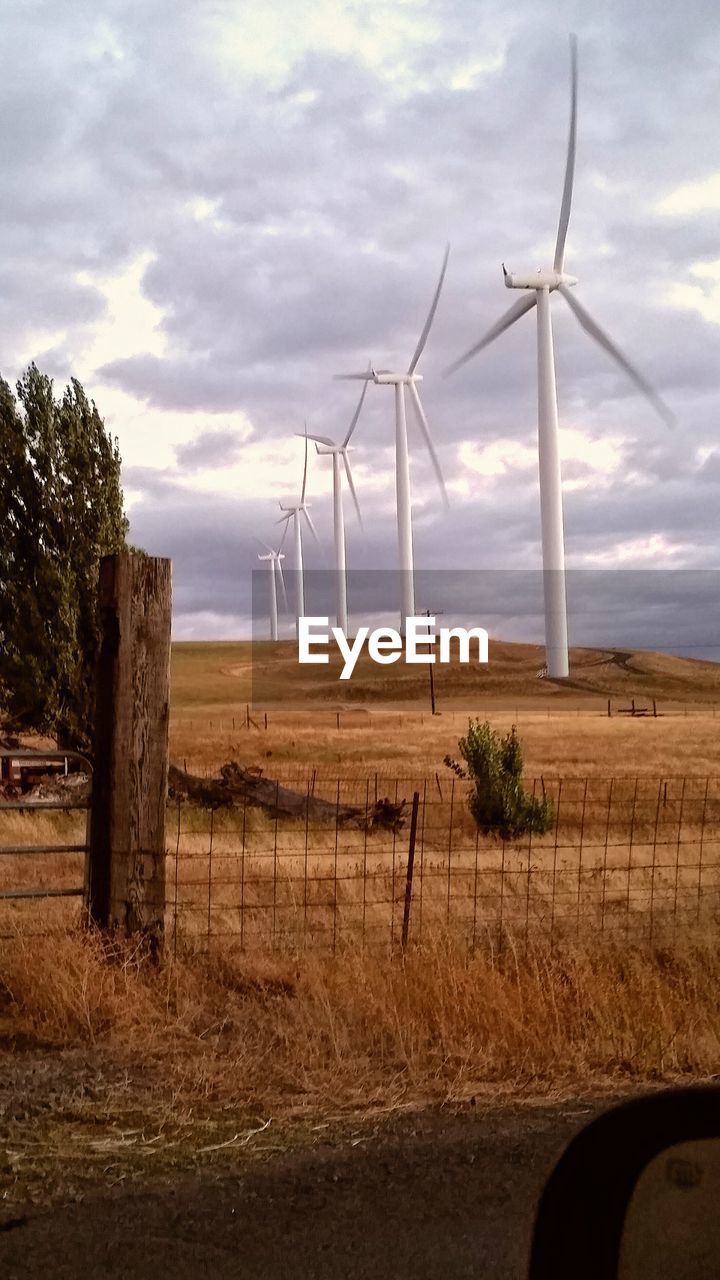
(330, 449)
(299, 506)
(537, 280)
(383, 378)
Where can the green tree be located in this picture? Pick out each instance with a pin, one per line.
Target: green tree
(61, 508)
(498, 800)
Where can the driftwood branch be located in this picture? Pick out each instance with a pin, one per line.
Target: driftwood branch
(237, 786)
(233, 787)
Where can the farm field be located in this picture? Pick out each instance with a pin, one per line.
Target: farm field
(583, 961)
(637, 808)
(210, 675)
(383, 723)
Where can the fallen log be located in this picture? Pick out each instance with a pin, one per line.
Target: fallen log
(237, 786)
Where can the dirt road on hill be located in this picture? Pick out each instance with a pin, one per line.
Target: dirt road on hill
(436, 1196)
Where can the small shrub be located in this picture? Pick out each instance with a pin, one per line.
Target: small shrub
(498, 801)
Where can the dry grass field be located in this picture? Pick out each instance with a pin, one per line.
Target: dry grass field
(117, 1070)
(439, 1024)
(613, 845)
(212, 676)
(382, 723)
(272, 999)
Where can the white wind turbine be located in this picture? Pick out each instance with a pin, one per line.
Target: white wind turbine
(409, 379)
(274, 559)
(339, 454)
(294, 515)
(540, 285)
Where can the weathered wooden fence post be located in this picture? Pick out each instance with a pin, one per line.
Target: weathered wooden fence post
(126, 882)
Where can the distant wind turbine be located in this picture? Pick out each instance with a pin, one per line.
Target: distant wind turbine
(274, 559)
(409, 379)
(540, 285)
(339, 454)
(294, 515)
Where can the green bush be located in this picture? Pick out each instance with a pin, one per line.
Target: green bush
(498, 801)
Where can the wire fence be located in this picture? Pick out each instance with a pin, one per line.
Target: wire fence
(632, 857)
(380, 862)
(349, 717)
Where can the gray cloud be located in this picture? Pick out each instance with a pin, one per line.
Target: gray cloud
(212, 448)
(335, 189)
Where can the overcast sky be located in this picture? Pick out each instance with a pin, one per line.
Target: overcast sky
(208, 208)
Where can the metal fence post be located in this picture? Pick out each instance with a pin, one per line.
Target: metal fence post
(410, 869)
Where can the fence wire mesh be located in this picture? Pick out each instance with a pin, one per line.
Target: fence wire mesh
(627, 857)
(634, 857)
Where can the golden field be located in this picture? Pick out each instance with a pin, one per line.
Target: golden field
(382, 723)
(614, 845)
(271, 1001)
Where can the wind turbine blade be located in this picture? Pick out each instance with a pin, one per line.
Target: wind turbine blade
(569, 163)
(284, 535)
(302, 492)
(317, 439)
(277, 565)
(312, 528)
(356, 414)
(589, 325)
(353, 377)
(285, 520)
(431, 314)
(425, 430)
(265, 545)
(351, 485)
(513, 313)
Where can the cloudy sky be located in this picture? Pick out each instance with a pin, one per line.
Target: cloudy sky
(209, 207)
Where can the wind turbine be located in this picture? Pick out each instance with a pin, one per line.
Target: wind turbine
(274, 559)
(409, 378)
(539, 286)
(294, 515)
(339, 454)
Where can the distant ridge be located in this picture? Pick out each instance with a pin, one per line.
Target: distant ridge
(233, 671)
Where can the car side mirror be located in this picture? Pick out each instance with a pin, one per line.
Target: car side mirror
(636, 1194)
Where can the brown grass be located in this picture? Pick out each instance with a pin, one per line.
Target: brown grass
(115, 1069)
(210, 675)
(114, 1055)
(631, 856)
(385, 725)
(306, 1032)
(577, 743)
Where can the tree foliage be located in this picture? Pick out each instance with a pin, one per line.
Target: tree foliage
(61, 508)
(498, 800)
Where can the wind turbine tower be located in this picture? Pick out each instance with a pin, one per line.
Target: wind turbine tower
(274, 559)
(407, 379)
(294, 515)
(340, 460)
(538, 287)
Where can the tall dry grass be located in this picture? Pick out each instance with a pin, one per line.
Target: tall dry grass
(304, 1031)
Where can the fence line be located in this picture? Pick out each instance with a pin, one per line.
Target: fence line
(255, 720)
(625, 857)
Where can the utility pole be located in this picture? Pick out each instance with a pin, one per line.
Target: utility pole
(427, 613)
